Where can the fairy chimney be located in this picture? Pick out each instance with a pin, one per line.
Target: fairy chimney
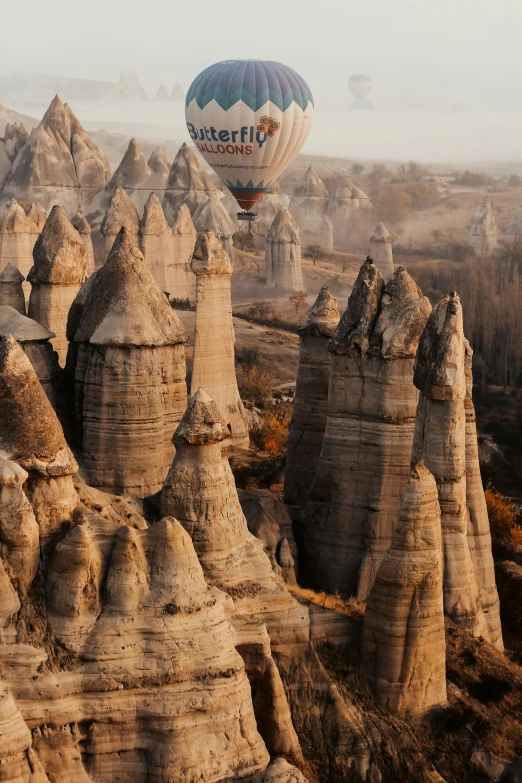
(308, 205)
(182, 278)
(11, 291)
(120, 212)
(482, 231)
(213, 215)
(82, 226)
(15, 239)
(283, 254)
(381, 251)
(188, 183)
(156, 243)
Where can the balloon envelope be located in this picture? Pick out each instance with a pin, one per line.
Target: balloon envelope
(360, 85)
(249, 119)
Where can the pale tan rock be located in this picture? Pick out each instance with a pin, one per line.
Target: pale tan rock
(482, 230)
(58, 272)
(325, 239)
(36, 216)
(15, 239)
(515, 225)
(381, 251)
(213, 215)
(440, 440)
(308, 206)
(266, 210)
(364, 464)
(121, 212)
(286, 561)
(19, 536)
(34, 340)
(308, 423)
(280, 771)
(31, 435)
(133, 169)
(158, 163)
(184, 235)
(11, 291)
(131, 352)
(157, 243)
(16, 739)
(349, 211)
(268, 519)
(283, 254)
(213, 367)
(15, 136)
(403, 649)
(188, 183)
(82, 226)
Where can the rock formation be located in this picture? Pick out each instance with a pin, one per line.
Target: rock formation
(482, 231)
(159, 166)
(11, 291)
(82, 226)
(213, 215)
(19, 535)
(34, 340)
(36, 215)
(15, 239)
(308, 423)
(15, 137)
(182, 279)
(58, 272)
(268, 519)
(133, 169)
(130, 350)
(403, 646)
(213, 367)
(31, 435)
(121, 212)
(515, 225)
(283, 254)
(364, 464)
(157, 243)
(440, 440)
(381, 251)
(348, 211)
(59, 160)
(325, 239)
(188, 183)
(308, 205)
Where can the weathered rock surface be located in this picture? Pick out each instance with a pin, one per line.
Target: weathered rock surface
(482, 231)
(58, 272)
(34, 340)
(129, 351)
(403, 646)
(308, 423)
(182, 279)
(133, 169)
(283, 254)
(81, 224)
(15, 239)
(308, 206)
(11, 291)
(381, 251)
(213, 215)
(213, 367)
(348, 211)
(121, 212)
(188, 183)
(364, 464)
(156, 243)
(268, 520)
(325, 238)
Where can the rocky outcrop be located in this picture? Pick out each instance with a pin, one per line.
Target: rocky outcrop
(15, 239)
(283, 254)
(188, 183)
(19, 535)
(58, 272)
(348, 211)
(59, 161)
(213, 215)
(308, 206)
(308, 423)
(325, 238)
(159, 166)
(364, 464)
(15, 137)
(82, 226)
(36, 215)
(31, 435)
(181, 277)
(130, 351)
(34, 340)
(482, 231)
(157, 244)
(11, 291)
(120, 212)
(268, 519)
(213, 367)
(403, 649)
(440, 440)
(133, 169)
(381, 251)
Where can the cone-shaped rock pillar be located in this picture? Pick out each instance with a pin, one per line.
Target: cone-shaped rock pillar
(133, 168)
(157, 244)
(82, 226)
(308, 205)
(11, 291)
(183, 279)
(482, 230)
(349, 210)
(213, 215)
(15, 239)
(381, 251)
(283, 254)
(188, 183)
(214, 368)
(120, 212)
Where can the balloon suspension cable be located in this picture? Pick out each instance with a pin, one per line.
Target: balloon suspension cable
(247, 215)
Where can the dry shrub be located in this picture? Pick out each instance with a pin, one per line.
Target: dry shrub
(256, 387)
(272, 436)
(505, 523)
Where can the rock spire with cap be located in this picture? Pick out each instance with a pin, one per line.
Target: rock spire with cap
(308, 206)
(120, 212)
(482, 231)
(381, 250)
(11, 291)
(213, 215)
(283, 253)
(81, 224)
(157, 243)
(133, 168)
(349, 210)
(311, 398)
(15, 239)
(184, 234)
(188, 183)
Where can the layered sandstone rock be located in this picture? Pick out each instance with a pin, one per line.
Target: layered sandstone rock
(403, 649)
(120, 212)
(81, 224)
(36, 215)
(15, 137)
(308, 423)
(482, 231)
(15, 239)
(181, 277)
(31, 435)
(19, 535)
(364, 464)
(157, 244)
(268, 519)
(348, 211)
(188, 183)
(133, 169)
(58, 272)
(34, 340)
(130, 350)
(308, 205)
(213, 367)
(11, 291)
(213, 215)
(283, 254)
(381, 251)
(159, 164)
(440, 440)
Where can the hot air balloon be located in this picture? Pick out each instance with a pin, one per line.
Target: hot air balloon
(249, 119)
(359, 85)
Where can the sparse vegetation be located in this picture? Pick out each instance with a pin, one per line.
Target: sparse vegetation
(316, 253)
(298, 299)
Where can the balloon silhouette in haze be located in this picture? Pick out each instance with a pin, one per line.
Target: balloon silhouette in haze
(360, 85)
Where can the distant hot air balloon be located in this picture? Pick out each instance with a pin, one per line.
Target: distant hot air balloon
(249, 119)
(360, 85)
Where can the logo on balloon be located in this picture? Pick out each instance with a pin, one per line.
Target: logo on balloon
(268, 125)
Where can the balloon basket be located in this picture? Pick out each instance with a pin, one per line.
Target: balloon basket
(247, 216)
